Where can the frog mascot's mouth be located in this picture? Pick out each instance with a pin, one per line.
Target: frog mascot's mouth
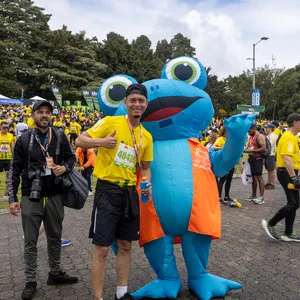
(166, 107)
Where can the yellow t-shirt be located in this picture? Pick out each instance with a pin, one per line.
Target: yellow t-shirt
(30, 122)
(288, 145)
(57, 124)
(5, 145)
(220, 142)
(278, 132)
(75, 128)
(118, 165)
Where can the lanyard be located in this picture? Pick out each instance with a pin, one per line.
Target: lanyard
(136, 149)
(47, 141)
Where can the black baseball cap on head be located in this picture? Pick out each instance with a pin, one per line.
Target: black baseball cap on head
(275, 123)
(40, 103)
(291, 118)
(137, 88)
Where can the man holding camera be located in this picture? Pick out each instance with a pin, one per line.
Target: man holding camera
(35, 159)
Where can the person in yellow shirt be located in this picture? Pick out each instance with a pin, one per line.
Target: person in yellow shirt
(30, 122)
(6, 150)
(288, 166)
(125, 148)
(277, 130)
(74, 131)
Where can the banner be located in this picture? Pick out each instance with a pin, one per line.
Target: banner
(57, 94)
(94, 96)
(87, 97)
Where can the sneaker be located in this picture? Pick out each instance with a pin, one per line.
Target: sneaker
(91, 193)
(249, 198)
(127, 296)
(223, 201)
(61, 278)
(65, 243)
(290, 237)
(258, 200)
(29, 290)
(270, 230)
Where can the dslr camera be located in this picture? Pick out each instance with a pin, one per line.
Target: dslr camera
(36, 187)
(66, 183)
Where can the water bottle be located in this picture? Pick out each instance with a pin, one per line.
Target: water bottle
(144, 186)
(238, 204)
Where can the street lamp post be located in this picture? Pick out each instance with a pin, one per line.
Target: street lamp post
(274, 107)
(264, 38)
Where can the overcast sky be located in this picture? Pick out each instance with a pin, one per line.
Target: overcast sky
(222, 31)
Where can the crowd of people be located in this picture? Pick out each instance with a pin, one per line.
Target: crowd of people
(31, 155)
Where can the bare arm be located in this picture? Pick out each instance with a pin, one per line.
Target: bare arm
(86, 141)
(262, 143)
(289, 165)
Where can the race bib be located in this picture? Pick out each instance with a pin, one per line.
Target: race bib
(125, 157)
(4, 148)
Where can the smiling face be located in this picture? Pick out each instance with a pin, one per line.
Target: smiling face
(176, 109)
(136, 105)
(42, 116)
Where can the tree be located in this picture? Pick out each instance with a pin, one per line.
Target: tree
(114, 52)
(181, 46)
(163, 50)
(22, 27)
(143, 64)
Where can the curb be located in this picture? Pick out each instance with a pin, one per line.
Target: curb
(4, 211)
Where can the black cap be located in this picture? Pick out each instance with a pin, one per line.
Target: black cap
(275, 123)
(137, 88)
(291, 118)
(253, 126)
(40, 103)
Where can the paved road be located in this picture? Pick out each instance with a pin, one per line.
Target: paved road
(268, 269)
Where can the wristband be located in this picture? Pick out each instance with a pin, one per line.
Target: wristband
(294, 178)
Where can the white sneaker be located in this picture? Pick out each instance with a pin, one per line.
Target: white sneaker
(91, 193)
(258, 200)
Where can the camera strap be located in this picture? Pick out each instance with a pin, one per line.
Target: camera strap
(47, 141)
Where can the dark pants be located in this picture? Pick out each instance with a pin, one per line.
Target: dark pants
(227, 180)
(73, 137)
(51, 212)
(288, 212)
(87, 174)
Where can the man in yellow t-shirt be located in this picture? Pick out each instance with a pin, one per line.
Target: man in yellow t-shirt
(125, 148)
(6, 150)
(288, 165)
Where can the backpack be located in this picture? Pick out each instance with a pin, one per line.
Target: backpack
(268, 147)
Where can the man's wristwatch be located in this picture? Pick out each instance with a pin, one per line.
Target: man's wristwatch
(68, 169)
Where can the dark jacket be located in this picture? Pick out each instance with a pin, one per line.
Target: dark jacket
(20, 167)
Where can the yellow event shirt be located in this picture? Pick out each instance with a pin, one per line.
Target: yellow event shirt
(5, 145)
(105, 167)
(220, 142)
(288, 145)
(75, 128)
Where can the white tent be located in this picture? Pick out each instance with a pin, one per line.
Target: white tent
(37, 98)
(3, 97)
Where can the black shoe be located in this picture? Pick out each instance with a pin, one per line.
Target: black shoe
(127, 296)
(29, 290)
(223, 201)
(61, 278)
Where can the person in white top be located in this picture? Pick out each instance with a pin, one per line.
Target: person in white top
(270, 162)
(21, 127)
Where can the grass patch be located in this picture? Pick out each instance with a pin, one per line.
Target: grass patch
(4, 205)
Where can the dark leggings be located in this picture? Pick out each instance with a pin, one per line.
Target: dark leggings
(227, 178)
(288, 212)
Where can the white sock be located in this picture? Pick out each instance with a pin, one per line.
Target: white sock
(121, 291)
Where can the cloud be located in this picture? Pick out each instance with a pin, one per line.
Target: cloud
(221, 31)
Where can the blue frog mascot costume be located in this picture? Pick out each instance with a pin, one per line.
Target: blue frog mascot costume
(185, 203)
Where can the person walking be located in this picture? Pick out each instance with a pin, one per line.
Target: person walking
(35, 160)
(87, 160)
(288, 166)
(255, 146)
(270, 161)
(125, 150)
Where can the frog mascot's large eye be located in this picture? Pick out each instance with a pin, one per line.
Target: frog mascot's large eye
(186, 69)
(112, 92)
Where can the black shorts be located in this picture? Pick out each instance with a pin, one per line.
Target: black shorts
(4, 165)
(108, 221)
(270, 163)
(256, 165)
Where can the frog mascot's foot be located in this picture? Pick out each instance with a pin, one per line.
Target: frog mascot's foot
(196, 248)
(162, 260)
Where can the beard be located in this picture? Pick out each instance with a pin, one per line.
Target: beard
(42, 123)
